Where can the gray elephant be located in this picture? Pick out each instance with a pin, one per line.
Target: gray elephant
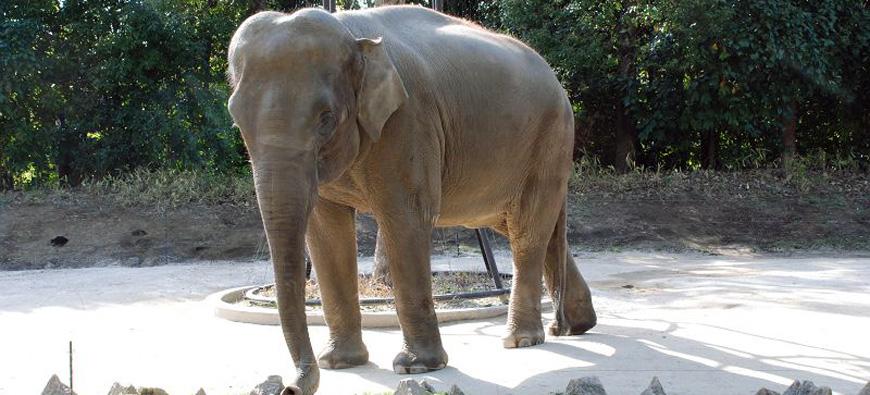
(423, 120)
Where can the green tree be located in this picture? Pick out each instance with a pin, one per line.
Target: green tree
(697, 83)
(593, 46)
(27, 103)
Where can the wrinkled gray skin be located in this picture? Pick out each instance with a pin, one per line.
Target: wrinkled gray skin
(439, 123)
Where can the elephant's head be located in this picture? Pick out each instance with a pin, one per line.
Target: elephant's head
(306, 92)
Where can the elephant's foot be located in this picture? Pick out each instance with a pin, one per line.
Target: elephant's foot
(291, 390)
(576, 318)
(570, 328)
(523, 338)
(419, 360)
(306, 383)
(343, 354)
(523, 333)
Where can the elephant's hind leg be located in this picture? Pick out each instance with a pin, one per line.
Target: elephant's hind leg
(571, 297)
(331, 240)
(530, 226)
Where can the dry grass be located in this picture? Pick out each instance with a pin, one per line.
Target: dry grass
(157, 190)
(804, 177)
(442, 283)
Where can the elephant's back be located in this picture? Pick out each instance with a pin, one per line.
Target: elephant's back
(436, 47)
(478, 77)
(503, 112)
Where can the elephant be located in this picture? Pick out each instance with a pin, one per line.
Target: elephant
(422, 120)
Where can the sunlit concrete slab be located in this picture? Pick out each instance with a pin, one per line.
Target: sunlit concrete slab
(703, 325)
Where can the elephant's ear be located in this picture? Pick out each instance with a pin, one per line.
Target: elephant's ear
(381, 90)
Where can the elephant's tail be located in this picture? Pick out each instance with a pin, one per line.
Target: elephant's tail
(571, 296)
(556, 263)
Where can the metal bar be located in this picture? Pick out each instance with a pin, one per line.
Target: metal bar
(488, 258)
(71, 368)
(307, 267)
(438, 5)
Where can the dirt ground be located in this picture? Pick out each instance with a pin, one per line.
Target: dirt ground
(711, 325)
(713, 213)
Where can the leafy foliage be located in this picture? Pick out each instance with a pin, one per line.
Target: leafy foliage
(98, 88)
(707, 81)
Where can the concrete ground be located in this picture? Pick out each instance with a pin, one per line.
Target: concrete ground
(703, 325)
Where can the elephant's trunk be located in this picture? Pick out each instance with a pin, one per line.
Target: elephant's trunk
(286, 192)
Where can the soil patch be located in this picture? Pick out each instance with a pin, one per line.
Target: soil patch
(442, 283)
(711, 212)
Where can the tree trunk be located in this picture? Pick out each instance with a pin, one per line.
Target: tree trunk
(789, 138)
(709, 150)
(256, 6)
(625, 138)
(206, 77)
(68, 148)
(626, 131)
(381, 273)
(6, 181)
(209, 5)
(290, 5)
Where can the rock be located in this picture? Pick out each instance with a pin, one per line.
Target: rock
(454, 390)
(585, 386)
(765, 391)
(806, 388)
(865, 390)
(272, 386)
(823, 390)
(202, 392)
(59, 241)
(410, 387)
(654, 388)
(426, 386)
(152, 391)
(56, 387)
(117, 389)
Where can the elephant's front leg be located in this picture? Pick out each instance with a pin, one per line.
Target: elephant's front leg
(407, 245)
(331, 240)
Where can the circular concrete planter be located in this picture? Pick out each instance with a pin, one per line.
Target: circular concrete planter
(226, 307)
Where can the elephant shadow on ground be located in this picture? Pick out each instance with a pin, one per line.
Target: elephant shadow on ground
(625, 354)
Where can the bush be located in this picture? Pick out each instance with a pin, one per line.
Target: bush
(704, 83)
(98, 88)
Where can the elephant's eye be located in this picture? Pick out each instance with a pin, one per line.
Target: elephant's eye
(326, 122)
